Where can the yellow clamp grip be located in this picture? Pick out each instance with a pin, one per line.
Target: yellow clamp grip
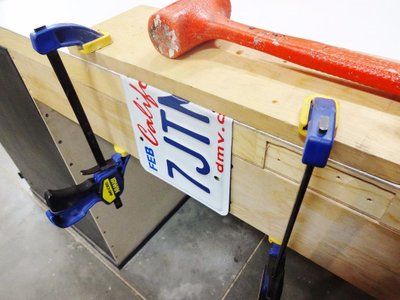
(120, 150)
(273, 240)
(96, 44)
(305, 111)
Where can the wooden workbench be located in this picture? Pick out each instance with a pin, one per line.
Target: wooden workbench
(350, 220)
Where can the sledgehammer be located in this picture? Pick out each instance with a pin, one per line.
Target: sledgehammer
(185, 24)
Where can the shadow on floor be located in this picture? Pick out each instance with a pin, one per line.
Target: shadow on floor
(303, 280)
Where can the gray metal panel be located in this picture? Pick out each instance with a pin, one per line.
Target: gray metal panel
(147, 200)
(27, 140)
(24, 135)
(87, 226)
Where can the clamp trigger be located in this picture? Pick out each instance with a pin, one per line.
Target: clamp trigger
(68, 206)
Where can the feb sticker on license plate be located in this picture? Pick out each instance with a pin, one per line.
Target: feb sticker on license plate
(182, 143)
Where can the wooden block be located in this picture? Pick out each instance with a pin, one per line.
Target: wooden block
(249, 145)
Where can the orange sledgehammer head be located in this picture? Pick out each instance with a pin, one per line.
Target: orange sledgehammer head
(185, 24)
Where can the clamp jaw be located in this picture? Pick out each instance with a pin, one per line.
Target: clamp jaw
(70, 205)
(46, 39)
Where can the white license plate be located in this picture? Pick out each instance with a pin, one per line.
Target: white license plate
(182, 143)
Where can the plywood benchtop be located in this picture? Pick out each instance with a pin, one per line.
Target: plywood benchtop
(352, 206)
(263, 93)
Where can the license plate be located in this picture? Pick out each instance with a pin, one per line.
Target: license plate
(182, 143)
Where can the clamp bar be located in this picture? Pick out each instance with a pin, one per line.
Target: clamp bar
(69, 90)
(46, 40)
(70, 205)
(318, 121)
(289, 228)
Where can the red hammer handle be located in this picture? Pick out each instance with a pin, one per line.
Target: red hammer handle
(371, 71)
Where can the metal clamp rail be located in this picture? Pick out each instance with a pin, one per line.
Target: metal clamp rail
(318, 122)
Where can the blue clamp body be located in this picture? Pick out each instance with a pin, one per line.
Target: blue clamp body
(70, 205)
(266, 280)
(269, 283)
(320, 132)
(46, 39)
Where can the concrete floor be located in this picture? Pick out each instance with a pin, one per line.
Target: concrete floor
(40, 261)
(195, 255)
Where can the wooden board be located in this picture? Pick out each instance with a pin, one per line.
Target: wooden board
(266, 170)
(260, 93)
